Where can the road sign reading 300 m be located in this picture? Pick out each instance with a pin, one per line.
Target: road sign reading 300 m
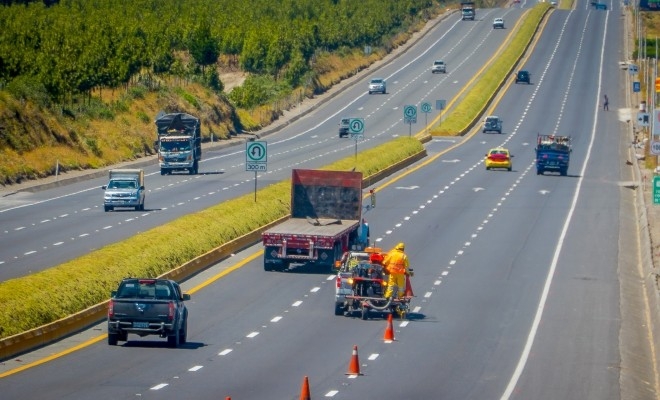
(256, 158)
(410, 114)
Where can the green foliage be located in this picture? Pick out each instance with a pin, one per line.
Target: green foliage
(137, 92)
(191, 99)
(212, 80)
(96, 109)
(203, 47)
(76, 46)
(257, 90)
(26, 88)
(88, 280)
(93, 146)
(143, 117)
(121, 105)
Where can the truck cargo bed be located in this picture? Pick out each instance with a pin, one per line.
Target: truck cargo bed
(299, 226)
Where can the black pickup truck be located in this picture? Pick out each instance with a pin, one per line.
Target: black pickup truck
(148, 307)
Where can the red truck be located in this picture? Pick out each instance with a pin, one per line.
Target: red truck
(326, 207)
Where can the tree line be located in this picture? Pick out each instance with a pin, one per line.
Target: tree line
(71, 47)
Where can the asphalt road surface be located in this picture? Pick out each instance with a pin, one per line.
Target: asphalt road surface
(517, 293)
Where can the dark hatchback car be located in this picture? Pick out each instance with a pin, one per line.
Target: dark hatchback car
(522, 77)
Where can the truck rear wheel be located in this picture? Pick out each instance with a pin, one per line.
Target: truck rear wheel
(113, 338)
(272, 263)
(174, 340)
(183, 332)
(107, 208)
(162, 171)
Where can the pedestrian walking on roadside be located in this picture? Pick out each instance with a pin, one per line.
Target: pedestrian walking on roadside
(606, 104)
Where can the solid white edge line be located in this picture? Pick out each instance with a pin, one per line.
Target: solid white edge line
(546, 288)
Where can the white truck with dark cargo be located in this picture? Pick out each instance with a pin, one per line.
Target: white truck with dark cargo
(125, 188)
(468, 11)
(179, 143)
(439, 66)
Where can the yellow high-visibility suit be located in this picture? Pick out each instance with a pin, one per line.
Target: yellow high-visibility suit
(396, 264)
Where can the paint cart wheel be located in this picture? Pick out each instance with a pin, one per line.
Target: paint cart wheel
(365, 312)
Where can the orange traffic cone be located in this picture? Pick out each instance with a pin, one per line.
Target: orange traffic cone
(389, 331)
(304, 391)
(409, 291)
(354, 366)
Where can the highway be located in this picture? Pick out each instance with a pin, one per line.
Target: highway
(46, 228)
(517, 293)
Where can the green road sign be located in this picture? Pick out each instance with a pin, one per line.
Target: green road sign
(356, 125)
(255, 156)
(410, 114)
(656, 190)
(426, 107)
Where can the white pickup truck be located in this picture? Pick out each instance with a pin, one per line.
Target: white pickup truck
(125, 188)
(439, 66)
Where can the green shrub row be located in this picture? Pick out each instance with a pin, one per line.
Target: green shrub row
(44, 297)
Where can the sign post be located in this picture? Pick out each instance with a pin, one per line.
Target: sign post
(256, 159)
(426, 109)
(440, 105)
(410, 117)
(655, 132)
(356, 129)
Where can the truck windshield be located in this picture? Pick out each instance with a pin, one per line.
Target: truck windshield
(145, 290)
(175, 146)
(122, 185)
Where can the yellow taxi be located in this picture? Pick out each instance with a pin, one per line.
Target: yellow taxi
(498, 157)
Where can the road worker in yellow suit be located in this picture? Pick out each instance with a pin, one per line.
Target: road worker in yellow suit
(397, 266)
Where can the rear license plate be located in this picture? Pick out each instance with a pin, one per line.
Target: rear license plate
(142, 325)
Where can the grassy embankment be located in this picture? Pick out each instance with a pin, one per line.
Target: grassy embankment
(87, 280)
(116, 125)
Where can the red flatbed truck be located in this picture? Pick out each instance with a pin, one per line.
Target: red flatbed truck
(326, 208)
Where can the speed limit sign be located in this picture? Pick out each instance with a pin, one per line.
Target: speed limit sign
(655, 148)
